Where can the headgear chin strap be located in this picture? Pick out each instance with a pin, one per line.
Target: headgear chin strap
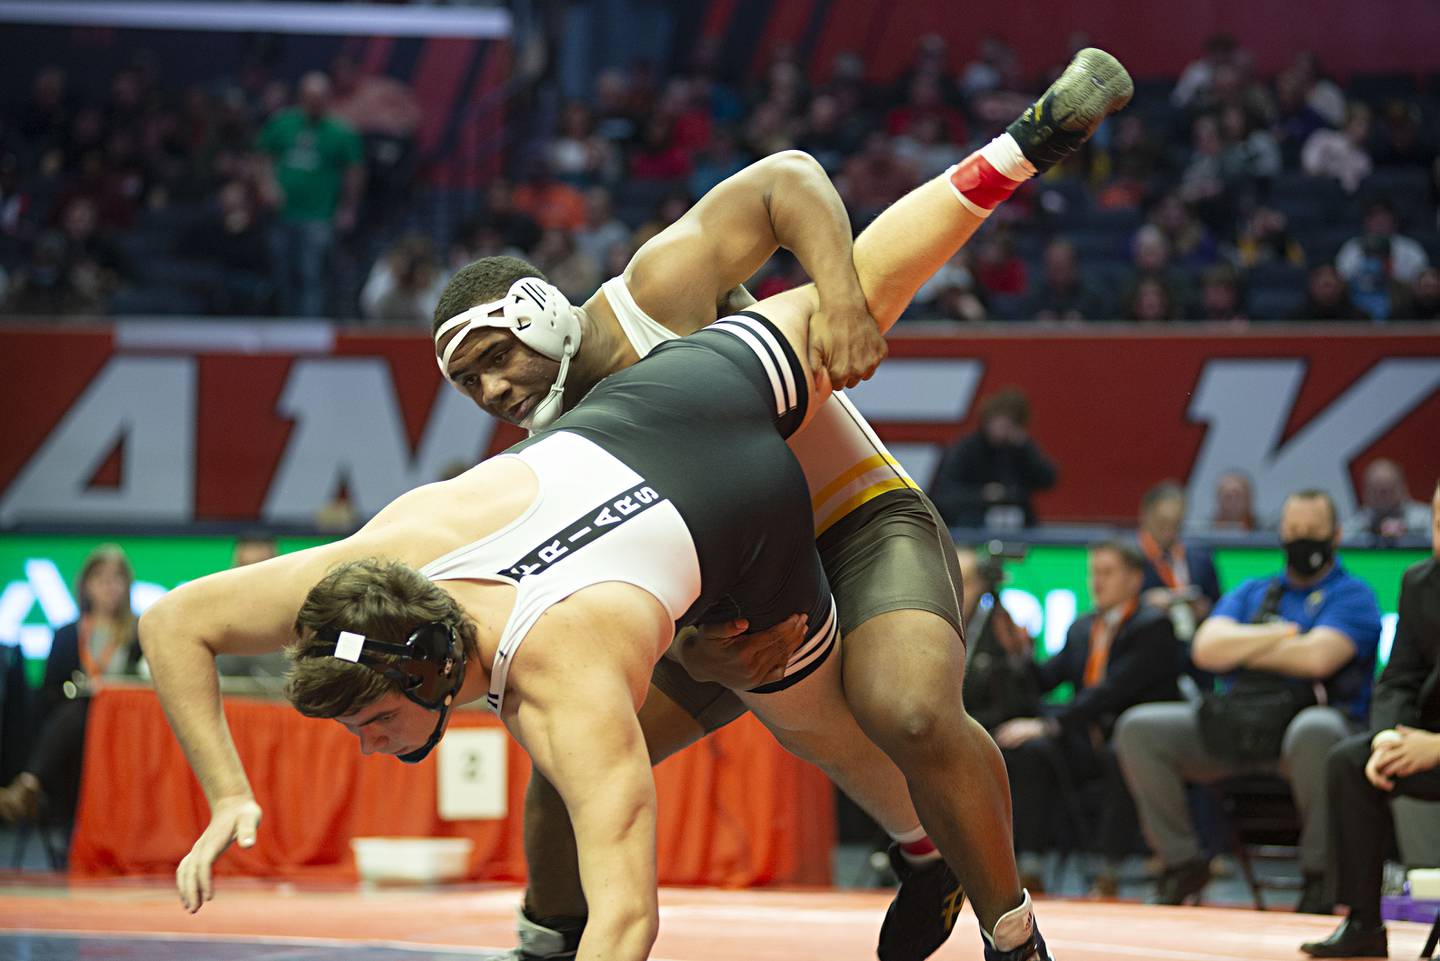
(541, 318)
(430, 671)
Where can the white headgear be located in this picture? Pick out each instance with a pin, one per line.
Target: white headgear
(541, 318)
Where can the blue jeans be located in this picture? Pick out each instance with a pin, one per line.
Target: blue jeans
(300, 258)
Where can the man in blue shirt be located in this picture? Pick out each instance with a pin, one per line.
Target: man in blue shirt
(1314, 623)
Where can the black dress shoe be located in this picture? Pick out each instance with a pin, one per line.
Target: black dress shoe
(1313, 897)
(1351, 940)
(1183, 881)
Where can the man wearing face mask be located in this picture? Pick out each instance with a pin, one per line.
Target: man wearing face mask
(1296, 655)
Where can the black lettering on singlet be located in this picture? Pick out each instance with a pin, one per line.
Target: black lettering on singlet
(592, 525)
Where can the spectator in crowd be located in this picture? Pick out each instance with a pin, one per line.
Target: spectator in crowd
(671, 208)
(1398, 757)
(1374, 287)
(45, 117)
(1202, 181)
(1191, 244)
(102, 644)
(828, 135)
(1340, 154)
(1064, 292)
(404, 285)
(998, 268)
(551, 203)
(996, 68)
(1425, 300)
(575, 273)
(1296, 119)
(718, 159)
(386, 114)
(602, 228)
(1322, 94)
(1234, 503)
(1251, 157)
(577, 154)
(234, 238)
(1403, 141)
(1151, 301)
(875, 178)
(924, 146)
(313, 173)
(1151, 257)
(1386, 509)
(1273, 639)
(1220, 297)
(372, 103)
(1198, 77)
(1118, 655)
(1327, 297)
(1265, 238)
(517, 230)
(1179, 580)
(926, 102)
(987, 478)
(74, 270)
(1136, 162)
(770, 129)
(950, 293)
(1407, 258)
(659, 156)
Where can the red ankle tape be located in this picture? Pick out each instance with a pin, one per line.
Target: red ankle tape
(918, 849)
(980, 183)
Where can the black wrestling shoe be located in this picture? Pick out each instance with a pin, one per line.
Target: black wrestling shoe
(1351, 940)
(1094, 86)
(541, 943)
(923, 912)
(1183, 881)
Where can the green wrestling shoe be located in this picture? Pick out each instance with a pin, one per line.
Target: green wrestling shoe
(1094, 86)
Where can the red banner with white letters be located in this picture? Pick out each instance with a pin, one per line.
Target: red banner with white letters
(177, 422)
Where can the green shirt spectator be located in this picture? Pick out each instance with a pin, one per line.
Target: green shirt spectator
(311, 158)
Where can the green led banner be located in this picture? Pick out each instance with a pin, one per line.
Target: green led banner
(38, 576)
(1044, 592)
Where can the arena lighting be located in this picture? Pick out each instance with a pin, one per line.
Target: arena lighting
(360, 19)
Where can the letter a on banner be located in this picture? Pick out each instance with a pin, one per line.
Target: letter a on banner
(146, 404)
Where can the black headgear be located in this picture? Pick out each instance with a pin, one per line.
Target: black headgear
(430, 671)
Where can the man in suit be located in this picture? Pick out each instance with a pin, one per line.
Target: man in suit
(1118, 655)
(1179, 579)
(1398, 757)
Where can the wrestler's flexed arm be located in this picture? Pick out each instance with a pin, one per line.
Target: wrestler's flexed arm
(576, 684)
(248, 610)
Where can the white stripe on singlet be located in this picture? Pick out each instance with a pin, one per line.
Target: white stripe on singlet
(768, 361)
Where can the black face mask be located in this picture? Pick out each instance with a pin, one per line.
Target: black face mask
(1307, 555)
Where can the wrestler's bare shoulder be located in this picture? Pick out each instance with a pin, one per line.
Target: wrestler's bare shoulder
(435, 519)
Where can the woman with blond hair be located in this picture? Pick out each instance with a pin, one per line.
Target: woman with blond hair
(102, 643)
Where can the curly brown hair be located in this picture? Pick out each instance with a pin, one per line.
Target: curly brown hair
(379, 598)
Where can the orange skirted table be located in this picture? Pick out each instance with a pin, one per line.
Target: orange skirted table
(735, 810)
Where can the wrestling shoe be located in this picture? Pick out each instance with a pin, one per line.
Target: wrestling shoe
(541, 943)
(1094, 86)
(923, 912)
(1019, 922)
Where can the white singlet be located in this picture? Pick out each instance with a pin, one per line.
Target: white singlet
(602, 518)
